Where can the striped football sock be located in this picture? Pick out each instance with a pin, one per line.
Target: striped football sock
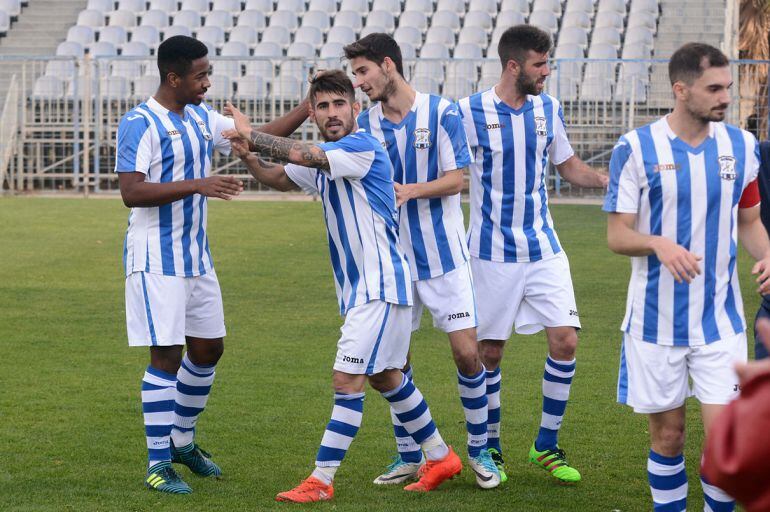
(715, 499)
(473, 395)
(192, 393)
(407, 448)
(668, 482)
(158, 390)
(557, 380)
(493, 409)
(342, 428)
(410, 408)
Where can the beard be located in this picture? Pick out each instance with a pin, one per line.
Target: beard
(388, 90)
(708, 116)
(527, 85)
(339, 131)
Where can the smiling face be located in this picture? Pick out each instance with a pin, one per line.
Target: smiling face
(377, 81)
(191, 87)
(334, 114)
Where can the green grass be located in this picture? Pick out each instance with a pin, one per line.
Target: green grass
(71, 435)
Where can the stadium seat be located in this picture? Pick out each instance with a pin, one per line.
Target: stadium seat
(48, 88)
(251, 88)
(545, 20)
(174, 30)
(319, 19)
(408, 51)
(102, 49)
(169, 6)
(521, 6)
(253, 19)
(650, 6)
(602, 51)
(643, 19)
(393, 6)
(424, 6)
(331, 51)
(636, 50)
(221, 87)
(372, 29)
(618, 6)
(434, 51)
(297, 6)
(226, 67)
(232, 67)
(148, 35)
(135, 49)
(416, 19)
(609, 19)
(268, 49)
(287, 88)
(458, 87)
(383, 19)
(576, 19)
(440, 35)
(114, 88)
(199, 6)
(265, 6)
(310, 35)
(145, 86)
(135, 6)
(209, 34)
(426, 84)
(81, 34)
(446, 19)
(475, 35)
(478, 19)
(497, 33)
(409, 35)
(547, 5)
(70, 49)
(125, 19)
(261, 67)
(91, 18)
(114, 35)
(103, 6)
(468, 51)
(5, 23)
(573, 36)
(231, 6)
(596, 87)
(487, 82)
(351, 19)
(63, 69)
(586, 6)
(288, 19)
(155, 18)
(12, 7)
(606, 35)
(190, 19)
(454, 6)
(488, 6)
(327, 6)
(277, 34)
(223, 19)
(458, 67)
(244, 34)
(632, 87)
(491, 67)
(643, 35)
(301, 50)
(509, 18)
(340, 34)
(360, 6)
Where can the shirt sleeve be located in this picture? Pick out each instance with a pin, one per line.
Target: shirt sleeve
(134, 144)
(467, 118)
(454, 151)
(304, 177)
(349, 157)
(750, 196)
(623, 191)
(219, 123)
(560, 149)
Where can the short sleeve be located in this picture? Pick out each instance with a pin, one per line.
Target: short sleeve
(217, 124)
(304, 177)
(560, 149)
(349, 157)
(466, 116)
(454, 152)
(134, 144)
(750, 196)
(623, 192)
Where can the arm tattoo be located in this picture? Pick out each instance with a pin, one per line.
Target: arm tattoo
(281, 149)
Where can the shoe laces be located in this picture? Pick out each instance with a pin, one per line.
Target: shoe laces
(496, 456)
(485, 459)
(169, 474)
(556, 455)
(308, 485)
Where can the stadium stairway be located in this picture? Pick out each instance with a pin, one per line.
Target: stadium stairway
(42, 25)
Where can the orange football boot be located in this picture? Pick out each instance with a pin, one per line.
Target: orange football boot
(311, 489)
(435, 472)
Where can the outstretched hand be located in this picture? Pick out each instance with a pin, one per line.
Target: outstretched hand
(221, 186)
(239, 145)
(242, 124)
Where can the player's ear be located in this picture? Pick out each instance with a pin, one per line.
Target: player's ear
(311, 112)
(356, 109)
(680, 90)
(173, 79)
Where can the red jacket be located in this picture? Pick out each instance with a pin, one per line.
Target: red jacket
(737, 454)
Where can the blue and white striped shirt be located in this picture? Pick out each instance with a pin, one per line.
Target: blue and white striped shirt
(361, 221)
(169, 239)
(510, 221)
(428, 142)
(688, 195)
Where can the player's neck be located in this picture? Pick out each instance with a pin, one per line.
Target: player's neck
(168, 101)
(687, 128)
(507, 91)
(398, 104)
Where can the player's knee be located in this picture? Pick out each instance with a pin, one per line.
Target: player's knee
(207, 353)
(564, 345)
(467, 361)
(491, 354)
(669, 440)
(344, 384)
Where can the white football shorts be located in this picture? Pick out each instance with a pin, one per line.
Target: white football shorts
(162, 310)
(448, 297)
(656, 378)
(375, 337)
(530, 295)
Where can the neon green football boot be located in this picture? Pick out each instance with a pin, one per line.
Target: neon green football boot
(162, 477)
(497, 457)
(555, 462)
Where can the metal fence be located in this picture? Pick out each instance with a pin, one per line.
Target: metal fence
(66, 111)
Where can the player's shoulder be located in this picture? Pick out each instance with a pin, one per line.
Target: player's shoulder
(547, 99)
(203, 110)
(137, 116)
(737, 132)
(360, 140)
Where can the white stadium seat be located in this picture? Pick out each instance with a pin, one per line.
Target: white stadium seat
(426, 84)
(510, 18)
(454, 6)
(609, 19)
(190, 19)
(618, 6)
(199, 6)
(265, 6)
(244, 34)
(351, 19)
(361, 6)
(155, 18)
(476, 35)
(331, 51)
(434, 51)
(310, 35)
(458, 87)
(643, 19)
(468, 51)
(114, 35)
(341, 34)
(104, 6)
(114, 88)
(573, 36)
(425, 6)
(416, 19)
(147, 35)
(297, 6)
(521, 6)
(478, 19)
(383, 19)
(606, 35)
(213, 35)
(545, 20)
(446, 19)
(136, 6)
(319, 19)
(409, 35)
(169, 6)
(288, 19)
(253, 19)
(12, 7)
(48, 87)
(135, 49)
(372, 29)
(650, 6)
(393, 6)
(145, 86)
(70, 49)
(221, 87)
(81, 34)
(488, 6)
(277, 34)
(91, 18)
(223, 19)
(547, 5)
(231, 6)
(576, 19)
(327, 6)
(125, 19)
(102, 49)
(287, 88)
(251, 88)
(441, 35)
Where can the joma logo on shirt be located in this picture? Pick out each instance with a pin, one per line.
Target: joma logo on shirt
(665, 167)
(495, 126)
(171, 133)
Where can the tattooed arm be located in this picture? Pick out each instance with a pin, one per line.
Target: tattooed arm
(288, 150)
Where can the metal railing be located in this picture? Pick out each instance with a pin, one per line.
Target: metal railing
(9, 127)
(65, 136)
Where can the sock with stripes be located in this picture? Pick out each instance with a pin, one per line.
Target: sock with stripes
(342, 428)
(715, 499)
(668, 482)
(493, 409)
(411, 410)
(158, 390)
(192, 393)
(557, 380)
(473, 395)
(407, 448)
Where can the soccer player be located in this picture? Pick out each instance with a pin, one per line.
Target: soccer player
(425, 140)
(682, 193)
(520, 271)
(164, 149)
(760, 350)
(352, 174)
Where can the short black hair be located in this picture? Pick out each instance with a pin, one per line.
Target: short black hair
(176, 54)
(688, 63)
(519, 39)
(332, 81)
(375, 47)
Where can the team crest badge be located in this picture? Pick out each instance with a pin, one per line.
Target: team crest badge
(541, 129)
(727, 168)
(421, 138)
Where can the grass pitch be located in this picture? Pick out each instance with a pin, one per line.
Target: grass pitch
(71, 434)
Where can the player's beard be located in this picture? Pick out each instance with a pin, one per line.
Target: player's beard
(347, 127)
(709, 116)
(527, 85)
(388, 90)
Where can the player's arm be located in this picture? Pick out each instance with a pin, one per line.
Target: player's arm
(288, 123)
(753, 237)
(136, 192)
(272, 175)
(623, 238)
(580, 174)
(449, 184)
